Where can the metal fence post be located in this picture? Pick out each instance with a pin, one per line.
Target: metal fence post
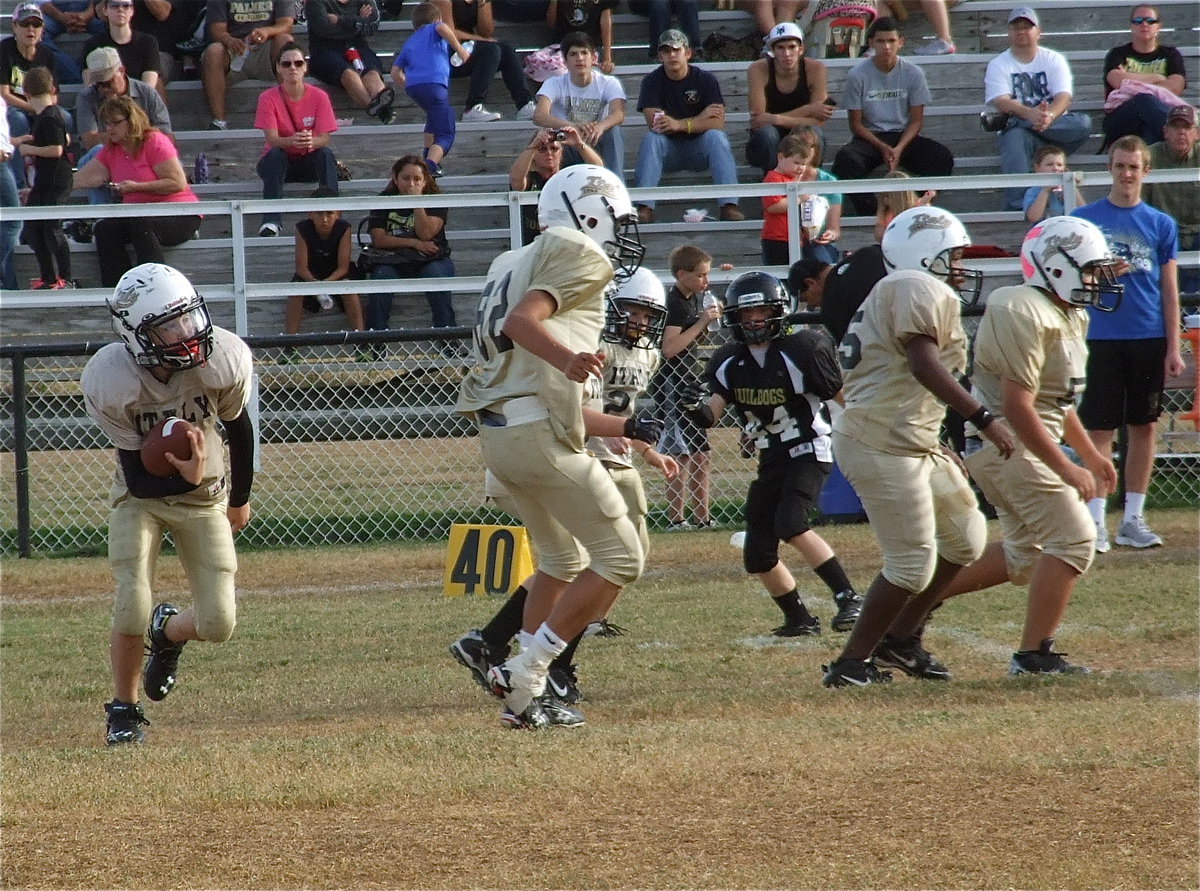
(21, 454)
(240, 309)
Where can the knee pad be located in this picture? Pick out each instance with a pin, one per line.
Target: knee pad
(760, 552)
(218, 628)
(913, 570)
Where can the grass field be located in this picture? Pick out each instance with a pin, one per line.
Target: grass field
(334, 744)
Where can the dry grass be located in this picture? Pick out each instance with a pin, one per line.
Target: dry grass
(333, 743)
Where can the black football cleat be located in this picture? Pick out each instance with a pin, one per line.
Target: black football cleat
(909, 657)
(124, 723)
(849, 606)
(854, 673)
(162, 654)
(807, 626)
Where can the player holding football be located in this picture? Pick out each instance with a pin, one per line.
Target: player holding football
(1030, 357)
(902, 356)
(171, 362)
(537, 340)
(778, 383)
(634, 319)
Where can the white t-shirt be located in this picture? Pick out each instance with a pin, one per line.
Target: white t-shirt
(582, 105)
(1029, 83)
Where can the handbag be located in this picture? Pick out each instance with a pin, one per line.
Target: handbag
(407, 261)
(543, 64)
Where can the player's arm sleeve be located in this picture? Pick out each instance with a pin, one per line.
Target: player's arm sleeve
(825, 373)
(240, 434)
(143, 484)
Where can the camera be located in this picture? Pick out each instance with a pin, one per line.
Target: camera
(558, 135)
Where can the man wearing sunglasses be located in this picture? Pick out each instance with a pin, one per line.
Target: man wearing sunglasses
(247, 39)
(1142, 80)
(138, 51)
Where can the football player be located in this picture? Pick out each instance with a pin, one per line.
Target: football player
(537, 342)
(778, 383)
(902, 356)
(1030, 357)
(632, 335)
(171, 362)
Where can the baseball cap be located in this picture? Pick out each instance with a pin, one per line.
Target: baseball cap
(102, 64)
(674, 38)
(26, 11)
(1024, 12)
(784, 31)
(1183, 115)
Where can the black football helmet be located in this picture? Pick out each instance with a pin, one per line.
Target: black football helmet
(752, 289)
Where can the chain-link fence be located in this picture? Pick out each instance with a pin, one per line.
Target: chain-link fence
(358, 442)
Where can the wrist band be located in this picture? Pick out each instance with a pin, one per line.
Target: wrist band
(689, 125)
(982, 419)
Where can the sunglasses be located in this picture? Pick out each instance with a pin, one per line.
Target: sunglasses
(109, 84)
(1143, 20)
(291, 63)
(112, 5)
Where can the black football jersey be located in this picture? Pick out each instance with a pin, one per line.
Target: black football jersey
(781, 403)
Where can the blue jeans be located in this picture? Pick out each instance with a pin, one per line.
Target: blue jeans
(1018, 142)
(688, 12)
(1143, 115)
(277, 167)
(664, 154)
(10, 230)
(762, 148)
(97, 25)
(441, 306)
(611, 148)
(95, 196)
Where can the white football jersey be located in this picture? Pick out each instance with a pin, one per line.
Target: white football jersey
(627, 374)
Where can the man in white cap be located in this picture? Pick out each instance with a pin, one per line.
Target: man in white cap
(1034, 87)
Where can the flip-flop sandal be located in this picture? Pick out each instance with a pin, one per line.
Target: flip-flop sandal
(383, 98)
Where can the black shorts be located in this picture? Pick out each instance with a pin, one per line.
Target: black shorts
(778, 505)
(1124, 383)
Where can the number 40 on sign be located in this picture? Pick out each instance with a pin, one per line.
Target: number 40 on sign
(485, 560)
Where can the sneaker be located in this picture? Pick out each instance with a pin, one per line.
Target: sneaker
(387, 115)
(477, 114)
(532, 718)
(808, 626)
(218, 124)
(268, 230)
(559, 712)
(603, 628)
(163, 654)
(473, 654)
(936, 47)
(1042, 661)
(516, 684)
(1103, 545)
(645, 214)
(1134, 533)
(125, 723)
(435, 169)
(731, 213)
(909, 657)
(854, 673)
(79, 231)
(680, 526)
(525, 112)
(562, 684)
(849, 606)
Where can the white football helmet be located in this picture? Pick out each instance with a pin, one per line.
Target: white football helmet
(642, 290)
(593, 200)
(814, 210)
(1059, 252)
(925, 238)
(160, 317)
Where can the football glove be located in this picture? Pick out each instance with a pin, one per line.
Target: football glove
(694, 402)
(643, 428)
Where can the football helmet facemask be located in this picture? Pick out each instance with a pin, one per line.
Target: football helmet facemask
(752, 289)
(641, 291)
(160, 317)
(593, 200)
(926, 239)
(1069, 257)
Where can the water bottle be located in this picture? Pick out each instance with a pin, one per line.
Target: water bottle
(469, 46)
(200, 174)
(325, 301)
(355, 60)
(711, 300)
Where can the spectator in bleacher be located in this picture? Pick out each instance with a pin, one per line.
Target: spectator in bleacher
(1143, 80)
(784, 90)
(592, 17)
(107, 78)
(685, 113)
(174, 24)
(410, 242)
(1135, 349)
(247, 39)
(138, 52)
(659, 12)
(769, 13)
(1047, 201)
(472, 20)
(322, 255)
(340, 56)
(1179, 148)
(141, 166)
(71, 17)
(583, 98)
(296, 119)
(885, 97)
(1034, 87)
(539, 161)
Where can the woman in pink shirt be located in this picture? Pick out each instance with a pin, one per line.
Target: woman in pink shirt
(140, 165)
(296, 119)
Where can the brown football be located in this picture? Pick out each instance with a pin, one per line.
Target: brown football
(168, 435)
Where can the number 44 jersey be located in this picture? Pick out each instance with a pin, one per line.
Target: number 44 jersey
(779, 392)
